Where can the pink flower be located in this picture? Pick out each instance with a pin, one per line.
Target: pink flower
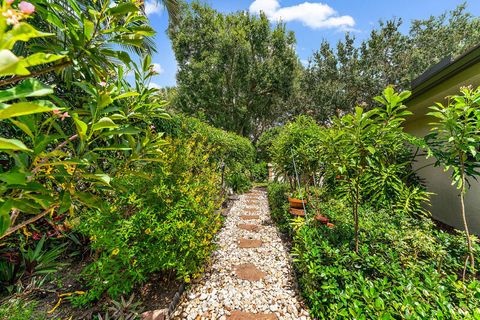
(102, 84)
(56, 112)
(65, 115)
(9, 1)
(26, 7)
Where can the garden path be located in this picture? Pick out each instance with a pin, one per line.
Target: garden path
(251, 276)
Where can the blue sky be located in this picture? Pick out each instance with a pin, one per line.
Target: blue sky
(311, 21)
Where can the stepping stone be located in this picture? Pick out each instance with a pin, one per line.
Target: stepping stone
(239, 315)
(251, 210)
(249, 271)
(249, 227)
(249, 243)
(254, 217)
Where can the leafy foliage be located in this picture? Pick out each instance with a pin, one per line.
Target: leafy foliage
(455, 143)
(234, 70)
(403, 268)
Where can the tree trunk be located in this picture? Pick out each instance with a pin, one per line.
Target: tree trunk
(465, 225)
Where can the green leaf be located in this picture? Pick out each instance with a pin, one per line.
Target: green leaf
(103, 123)
(81, 127)
(10, 64)
(21, 32)
(102, 177)
(13, 178)
(104, 100)
(12, 144)
(24, 108)
(88, 29)
(123, 9)
(127, 94)
(24, 127)
(27, 88)
(4, 216)
(40, 58)
(128, 130)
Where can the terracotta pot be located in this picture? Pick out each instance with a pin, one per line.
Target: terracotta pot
(321, 219)
(297, 212)
(297, 203)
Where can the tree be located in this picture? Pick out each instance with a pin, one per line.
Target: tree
(455, 143)
(356, 145)
(233, 70)
(59, 149)
(337, 79)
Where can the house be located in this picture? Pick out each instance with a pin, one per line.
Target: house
(440, 81)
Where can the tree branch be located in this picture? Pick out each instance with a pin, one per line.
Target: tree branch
(35, 73)
(26, 222)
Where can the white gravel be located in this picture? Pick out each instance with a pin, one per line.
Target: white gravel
(220, 291)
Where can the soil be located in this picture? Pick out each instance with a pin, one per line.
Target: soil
(156, 293)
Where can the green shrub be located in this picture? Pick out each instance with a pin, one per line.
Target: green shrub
(236, 153)
(405, 268)
(259, 172)
(163, 222)
(278, 201)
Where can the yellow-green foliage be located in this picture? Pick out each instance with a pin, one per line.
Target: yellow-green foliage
(162, 222)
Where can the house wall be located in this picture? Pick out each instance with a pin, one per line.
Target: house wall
(445, 201)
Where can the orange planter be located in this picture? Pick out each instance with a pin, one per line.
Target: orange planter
(321, 219)
(297, 203)
(297, 212)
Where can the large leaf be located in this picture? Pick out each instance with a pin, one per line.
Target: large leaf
(21, 32)
(12, 144)
(104, 123)
(123, 8)
(10, 64)
(24, 108)
(28, 88)
(81, 127)
(13, 178)
(40, 58)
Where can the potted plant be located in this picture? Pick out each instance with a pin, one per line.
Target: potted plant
(297, 200)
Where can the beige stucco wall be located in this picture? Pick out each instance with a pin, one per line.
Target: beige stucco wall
(445, 202)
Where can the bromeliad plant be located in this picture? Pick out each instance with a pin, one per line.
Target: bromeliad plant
(59, 154)
(455, 144)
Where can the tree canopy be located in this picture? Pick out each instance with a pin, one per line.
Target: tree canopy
(233, 70)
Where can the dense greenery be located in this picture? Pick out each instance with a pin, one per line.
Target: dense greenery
(384, 257)
(90, 162)
(234, 70)
(161, 222)
(234, 154)
(401, 264)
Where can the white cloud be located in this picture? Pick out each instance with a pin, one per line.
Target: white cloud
(314, 15)
(154, 85)
(152, 7)
(157, 68)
